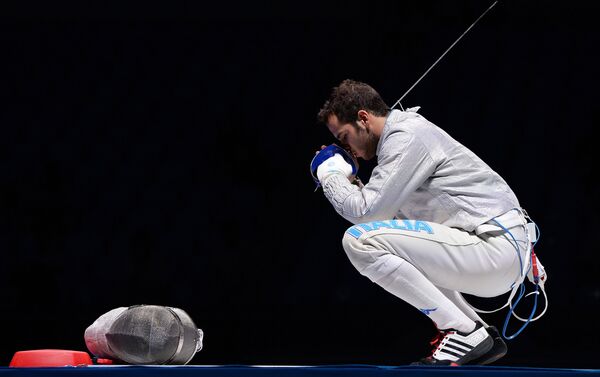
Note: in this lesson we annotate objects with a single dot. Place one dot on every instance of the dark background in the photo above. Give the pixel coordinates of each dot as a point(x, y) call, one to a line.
point(159, 155)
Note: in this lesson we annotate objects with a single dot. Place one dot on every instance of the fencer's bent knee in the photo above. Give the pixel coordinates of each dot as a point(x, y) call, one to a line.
point(360, 253)
point(352, 246)
point(370, 260)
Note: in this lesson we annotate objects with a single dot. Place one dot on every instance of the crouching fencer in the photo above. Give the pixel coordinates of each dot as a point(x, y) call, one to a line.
point(144, 334)
point(433, 220)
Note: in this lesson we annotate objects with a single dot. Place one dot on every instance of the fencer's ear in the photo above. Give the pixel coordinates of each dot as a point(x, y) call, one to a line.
point(363, 115)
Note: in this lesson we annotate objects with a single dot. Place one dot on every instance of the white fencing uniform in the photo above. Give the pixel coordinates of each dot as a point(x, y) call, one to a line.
point(425, 225)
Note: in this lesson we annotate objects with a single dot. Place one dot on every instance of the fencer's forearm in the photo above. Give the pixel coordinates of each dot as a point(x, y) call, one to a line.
point(349, 201)
point(403, 166)
point(337, 189)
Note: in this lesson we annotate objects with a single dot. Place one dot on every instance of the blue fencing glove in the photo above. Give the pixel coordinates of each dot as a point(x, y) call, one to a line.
point(333, 160)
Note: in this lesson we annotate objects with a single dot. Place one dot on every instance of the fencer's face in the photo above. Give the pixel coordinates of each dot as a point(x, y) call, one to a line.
point(357, 137)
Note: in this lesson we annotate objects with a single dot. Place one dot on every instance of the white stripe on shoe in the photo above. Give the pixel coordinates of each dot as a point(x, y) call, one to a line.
point(460, 347)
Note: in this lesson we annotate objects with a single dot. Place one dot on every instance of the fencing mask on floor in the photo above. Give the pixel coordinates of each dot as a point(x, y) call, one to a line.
point(144, 334)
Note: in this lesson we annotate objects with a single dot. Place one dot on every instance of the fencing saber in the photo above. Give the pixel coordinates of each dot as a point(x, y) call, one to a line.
point(440, 58)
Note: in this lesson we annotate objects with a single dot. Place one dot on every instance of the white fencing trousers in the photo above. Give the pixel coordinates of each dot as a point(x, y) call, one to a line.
point(426, 264)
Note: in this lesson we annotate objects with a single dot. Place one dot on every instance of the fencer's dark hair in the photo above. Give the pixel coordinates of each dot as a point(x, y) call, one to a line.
point(348, 98)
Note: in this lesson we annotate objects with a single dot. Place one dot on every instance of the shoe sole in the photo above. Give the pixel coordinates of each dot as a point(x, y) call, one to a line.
point(498, 350)
point(479, 351)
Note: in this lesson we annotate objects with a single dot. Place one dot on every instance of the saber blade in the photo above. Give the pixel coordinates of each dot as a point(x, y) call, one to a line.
point(445, 52)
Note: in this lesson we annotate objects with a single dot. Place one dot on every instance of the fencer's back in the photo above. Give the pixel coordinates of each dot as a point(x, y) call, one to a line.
point(463, 191)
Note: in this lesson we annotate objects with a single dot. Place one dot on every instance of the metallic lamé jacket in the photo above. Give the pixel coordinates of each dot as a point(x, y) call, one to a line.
point(422, 173)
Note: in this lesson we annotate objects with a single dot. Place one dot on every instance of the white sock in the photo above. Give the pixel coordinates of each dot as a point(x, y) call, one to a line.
point(404, 281)
point(461, 303)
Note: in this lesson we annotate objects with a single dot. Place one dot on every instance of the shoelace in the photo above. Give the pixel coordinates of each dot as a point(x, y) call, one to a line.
point(435, 342)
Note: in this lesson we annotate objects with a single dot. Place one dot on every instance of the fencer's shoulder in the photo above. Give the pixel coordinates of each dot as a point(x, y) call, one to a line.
point(406, 118)
point(402, 124)
point(408, 121)
point(414, 109)
point(405, 130)
point(397, 140)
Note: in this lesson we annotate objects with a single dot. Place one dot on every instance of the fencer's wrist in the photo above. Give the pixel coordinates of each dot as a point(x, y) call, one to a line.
point(326, 175)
